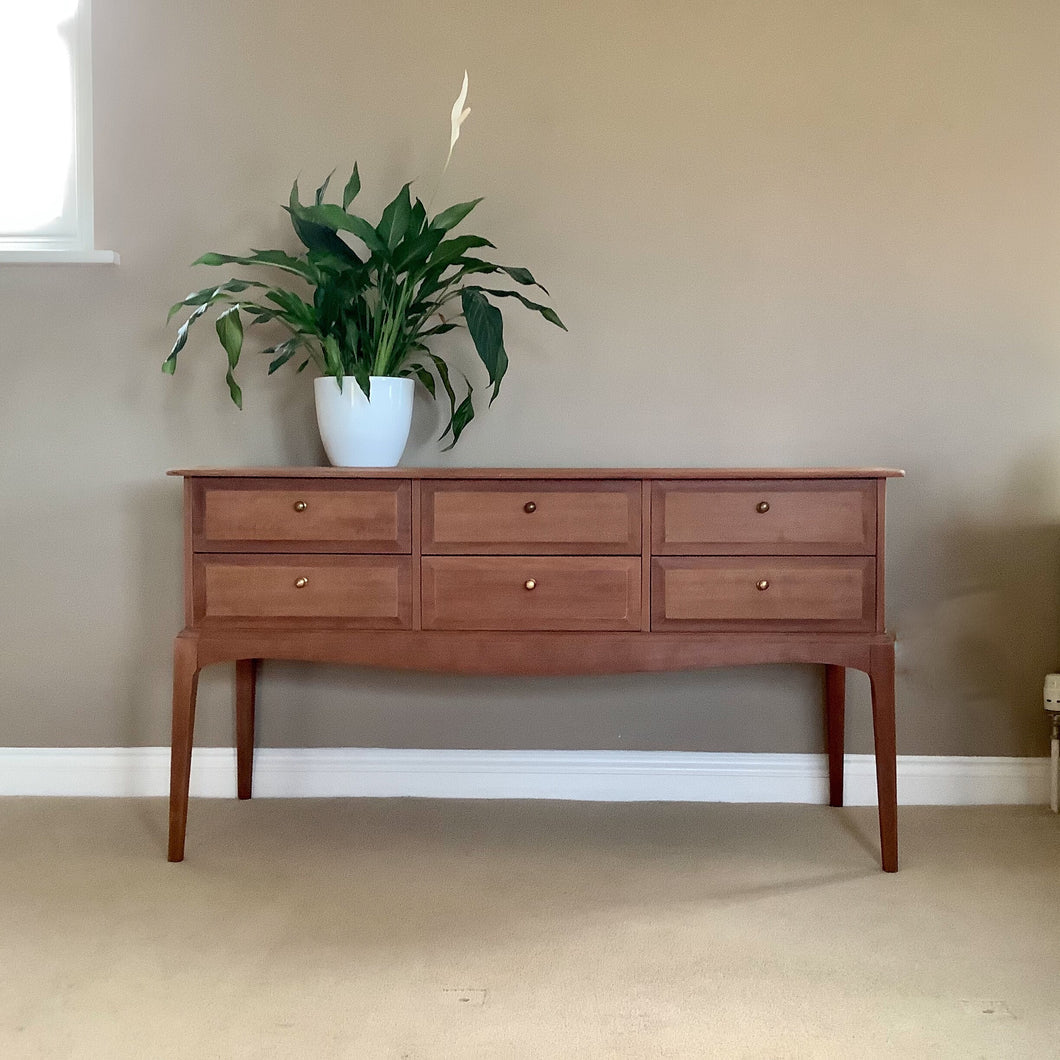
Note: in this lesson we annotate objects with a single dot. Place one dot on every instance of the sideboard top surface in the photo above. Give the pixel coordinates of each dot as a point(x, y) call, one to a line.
point(501, 473)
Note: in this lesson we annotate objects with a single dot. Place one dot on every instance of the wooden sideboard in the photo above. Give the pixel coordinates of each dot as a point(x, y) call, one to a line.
point(535, 571)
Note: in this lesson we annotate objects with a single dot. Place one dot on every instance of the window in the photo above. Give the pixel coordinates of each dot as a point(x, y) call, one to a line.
point(46, 132)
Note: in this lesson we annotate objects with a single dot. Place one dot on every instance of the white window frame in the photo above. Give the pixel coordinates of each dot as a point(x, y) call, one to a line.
point(77, 246)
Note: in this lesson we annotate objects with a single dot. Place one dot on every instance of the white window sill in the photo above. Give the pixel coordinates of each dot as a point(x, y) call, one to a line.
point(59, 257)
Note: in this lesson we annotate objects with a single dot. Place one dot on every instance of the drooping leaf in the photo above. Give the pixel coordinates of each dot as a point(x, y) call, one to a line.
point(438, 329)
point(464, 414)
point(230, 331)
point(276, 258)
point(209, 295)
point(443, 374)
point(169, 366)
point(486, 325)
point(445, 256)
point(422, 374)
point(265, 314)
point(285, 351)
point(549, 314)
point(234, 391)
point(481, 267)
point(229, 328)
point(522, 276)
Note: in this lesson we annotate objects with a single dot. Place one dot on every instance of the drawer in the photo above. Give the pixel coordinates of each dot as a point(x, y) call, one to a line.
point(290, 515)
point(747, 518)
point(531, 516)
point(372, 592)
point(763, 592)
point(531, 592)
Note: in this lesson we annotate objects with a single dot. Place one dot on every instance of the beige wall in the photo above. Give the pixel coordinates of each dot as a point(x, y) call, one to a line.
point(791, 232)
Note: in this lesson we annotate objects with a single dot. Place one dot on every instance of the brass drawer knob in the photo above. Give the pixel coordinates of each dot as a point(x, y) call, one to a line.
point(762, 585)
point(301, 583)
point(529, 507)
point(762, 507)
point(300, 506)
point(530, 584)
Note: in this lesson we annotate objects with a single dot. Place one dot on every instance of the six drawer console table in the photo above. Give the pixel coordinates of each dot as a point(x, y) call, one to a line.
point(535, 571)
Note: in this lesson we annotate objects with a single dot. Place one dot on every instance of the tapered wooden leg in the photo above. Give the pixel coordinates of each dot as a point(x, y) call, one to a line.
point(246, 683)
point(881, 676)
point(835, 678)
point(185, 686)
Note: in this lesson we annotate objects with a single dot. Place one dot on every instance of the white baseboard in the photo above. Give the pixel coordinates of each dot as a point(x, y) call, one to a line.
point(609, 776)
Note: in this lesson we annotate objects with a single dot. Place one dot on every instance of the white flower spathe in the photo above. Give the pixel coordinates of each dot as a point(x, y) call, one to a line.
point(460, 113)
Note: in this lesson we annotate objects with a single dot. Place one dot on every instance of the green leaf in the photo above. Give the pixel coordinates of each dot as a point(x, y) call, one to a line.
point(394, 222)
point(360, 373)
point(294, 310)
point(414, 253)
point(274, 258)
point(317, 236)
point(335, 219)
point(418, 220)
point(229, 328)
point(353, 187)
point(464, 414)
point(319, 196)
point(481, 267)
point(286, 350)
point(443, 374)
point(486, 325)
point(422, 374)
point(447, 254)
point(452, 249)
point(209, 295)
point(522, 276)
point(451, 217)
point(438, 329)
point(169, 366)
point(264, 314)
point(352, 340)
point(549, 314)
point(321, 238)
point(230, 332)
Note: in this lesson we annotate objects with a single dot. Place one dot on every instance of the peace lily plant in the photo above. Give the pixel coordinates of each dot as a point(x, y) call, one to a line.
point(371, 306)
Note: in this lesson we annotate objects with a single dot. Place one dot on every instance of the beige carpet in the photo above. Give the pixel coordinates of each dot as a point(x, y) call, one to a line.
point(413, 930)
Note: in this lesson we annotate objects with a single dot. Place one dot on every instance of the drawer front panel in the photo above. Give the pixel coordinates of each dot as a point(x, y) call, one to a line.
point(303, 516)
point(747, 518)
point(541, 517)
point(531, 593)
point(765, 592)
point(372, 592)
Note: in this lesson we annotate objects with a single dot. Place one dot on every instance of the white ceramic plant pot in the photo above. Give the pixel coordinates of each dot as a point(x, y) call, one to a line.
point(359, 431)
